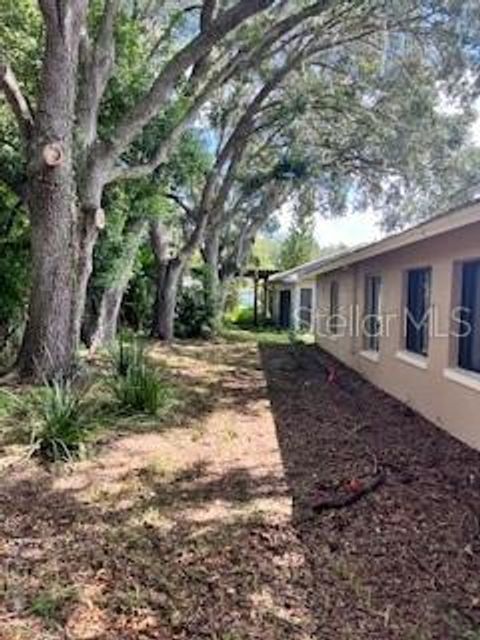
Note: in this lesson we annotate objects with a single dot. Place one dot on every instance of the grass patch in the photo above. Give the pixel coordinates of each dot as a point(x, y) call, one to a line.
point(260, 335)
point(51, 604)
point(63, 420)
point(8, 402)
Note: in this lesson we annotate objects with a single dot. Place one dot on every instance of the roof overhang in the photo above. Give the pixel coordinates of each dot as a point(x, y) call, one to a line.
point(443, 223)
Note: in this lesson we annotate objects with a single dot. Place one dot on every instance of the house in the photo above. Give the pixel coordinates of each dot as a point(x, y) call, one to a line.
point(291, 291)
point(405, 313)
point(292, 295)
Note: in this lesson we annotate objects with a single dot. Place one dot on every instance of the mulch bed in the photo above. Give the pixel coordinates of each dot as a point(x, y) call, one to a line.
point(402, 562)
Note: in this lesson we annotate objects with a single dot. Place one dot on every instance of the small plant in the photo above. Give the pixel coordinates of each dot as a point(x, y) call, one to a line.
point(59, 426)
point(50, 604)
point(135, 383)
point(126, 353)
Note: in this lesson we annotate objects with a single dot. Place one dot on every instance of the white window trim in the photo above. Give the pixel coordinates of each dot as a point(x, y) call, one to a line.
point(414, 359)
point(370, 354)
point(466, 378)
point(369, 276)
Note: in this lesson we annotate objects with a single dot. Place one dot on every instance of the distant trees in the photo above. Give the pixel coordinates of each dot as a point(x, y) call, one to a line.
point(300, 245)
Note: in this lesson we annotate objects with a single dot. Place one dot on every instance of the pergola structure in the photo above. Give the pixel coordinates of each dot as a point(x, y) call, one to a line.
point(260, 276)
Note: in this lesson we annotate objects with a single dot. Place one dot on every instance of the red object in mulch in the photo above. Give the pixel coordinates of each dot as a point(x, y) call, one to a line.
point(346, 493)
point(332, 376)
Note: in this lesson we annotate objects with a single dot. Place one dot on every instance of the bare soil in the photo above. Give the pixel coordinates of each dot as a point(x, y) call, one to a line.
point(204, 528)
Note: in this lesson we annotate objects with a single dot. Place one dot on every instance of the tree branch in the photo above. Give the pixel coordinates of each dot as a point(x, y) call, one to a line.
point(239, 61)
point(201, 66)
point(163, 150)
point(178, 200)
point(16, 100)
point(270, 201)
point(160, 240)
point(153, 102)
point(97, 69)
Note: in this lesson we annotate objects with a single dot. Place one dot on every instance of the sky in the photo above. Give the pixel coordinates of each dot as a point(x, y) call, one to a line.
point(352, 229)
point(355, 228)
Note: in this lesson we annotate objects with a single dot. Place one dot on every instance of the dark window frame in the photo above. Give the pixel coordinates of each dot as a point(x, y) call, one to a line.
point(334, 307)
point(372, 312)
point(285, 309)
point(417, 310)
point(468, 354)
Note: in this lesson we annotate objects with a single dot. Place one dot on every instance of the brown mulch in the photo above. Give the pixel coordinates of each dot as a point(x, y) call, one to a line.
point(403, 562)
point(205, 530)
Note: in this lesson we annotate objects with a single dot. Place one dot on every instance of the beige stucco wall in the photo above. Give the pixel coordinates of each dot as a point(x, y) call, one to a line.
point(451, 404)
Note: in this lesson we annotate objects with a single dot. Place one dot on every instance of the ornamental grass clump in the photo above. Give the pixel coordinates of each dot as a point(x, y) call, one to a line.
point(135, 383)
point(59, 422)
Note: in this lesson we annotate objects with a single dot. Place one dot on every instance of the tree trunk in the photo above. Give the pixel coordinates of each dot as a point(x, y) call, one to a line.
point(168, 275)
point(88, 240)
point(50, 339)
point(168, 279)
point(107, 321)
point(212, 260)
point(111, 301)
point(225, 282)
point(169, 272)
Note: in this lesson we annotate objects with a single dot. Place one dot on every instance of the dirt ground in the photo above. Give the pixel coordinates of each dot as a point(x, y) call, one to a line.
point(204, 528)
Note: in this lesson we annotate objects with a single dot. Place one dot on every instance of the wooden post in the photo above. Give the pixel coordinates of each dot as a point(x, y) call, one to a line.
point(255, 299)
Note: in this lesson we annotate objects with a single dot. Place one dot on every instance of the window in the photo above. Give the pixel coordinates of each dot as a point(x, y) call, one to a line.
point(469, 340)
point(285, 308)
point(334, 307)
point(418, 310)
point(306, 309)
point(371, 321)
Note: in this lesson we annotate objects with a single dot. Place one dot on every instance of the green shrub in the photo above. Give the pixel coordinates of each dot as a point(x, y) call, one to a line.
point(195, 312)
point(242, 316)
point(59, 422)
point(192, 318)
point(140, 390)
point(135, 383)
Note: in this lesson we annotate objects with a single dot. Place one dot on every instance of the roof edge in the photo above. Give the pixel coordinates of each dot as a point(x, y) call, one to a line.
point(448, 220)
